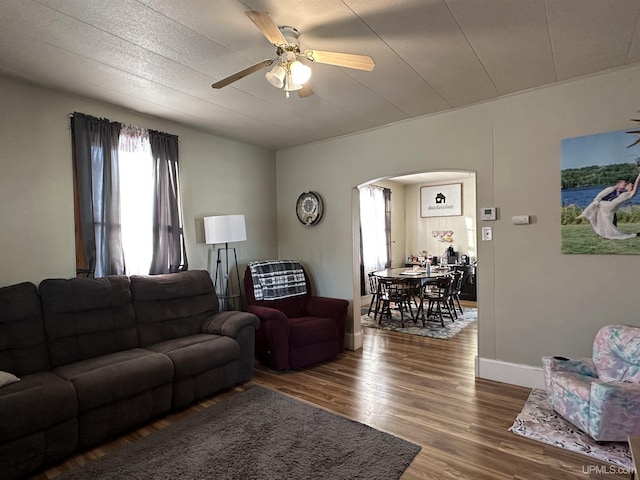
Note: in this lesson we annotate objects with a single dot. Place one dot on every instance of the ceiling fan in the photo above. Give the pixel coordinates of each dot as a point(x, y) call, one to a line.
point(288, 72)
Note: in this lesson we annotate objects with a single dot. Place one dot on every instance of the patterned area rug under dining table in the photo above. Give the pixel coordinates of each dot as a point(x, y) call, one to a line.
point(433, 328)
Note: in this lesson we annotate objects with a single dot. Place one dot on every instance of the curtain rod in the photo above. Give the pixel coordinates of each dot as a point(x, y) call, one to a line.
point(157, 132)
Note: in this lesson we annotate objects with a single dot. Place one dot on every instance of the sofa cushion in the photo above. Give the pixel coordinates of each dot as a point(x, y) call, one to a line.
point(23, 348)
point(36, 403)
point(106, 379)
point(195, 354)
point(292, 307)
point(172, 305)
point(88, 317)
point(310, 330)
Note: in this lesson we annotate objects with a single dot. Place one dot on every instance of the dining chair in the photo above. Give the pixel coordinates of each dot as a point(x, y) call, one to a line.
point(454, 294)
point(373, 290)
point(397, 291)
point(438, 298)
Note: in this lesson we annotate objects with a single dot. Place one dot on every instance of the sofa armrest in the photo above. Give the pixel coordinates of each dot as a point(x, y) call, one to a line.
point(327, 307)
point(614, 410)
point(551, 365)
point(272, 338)
point(229, 323)
point(582, 366)
point(268, 314)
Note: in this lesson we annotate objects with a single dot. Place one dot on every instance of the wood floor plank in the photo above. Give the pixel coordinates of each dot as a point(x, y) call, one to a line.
point(419, 389)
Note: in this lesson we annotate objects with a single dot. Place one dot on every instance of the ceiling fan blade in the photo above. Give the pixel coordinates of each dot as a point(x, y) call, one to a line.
point(305, 91)
point(241, 74)
point(634, 143)
point(267, 26)
point(349, 60)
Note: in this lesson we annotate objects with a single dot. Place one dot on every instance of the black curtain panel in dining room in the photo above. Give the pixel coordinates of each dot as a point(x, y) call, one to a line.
point(387, 223)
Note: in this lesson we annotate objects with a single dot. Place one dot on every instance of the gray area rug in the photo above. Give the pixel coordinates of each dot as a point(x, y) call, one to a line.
point(538, 421)
point(433, 328)
point(258, 434)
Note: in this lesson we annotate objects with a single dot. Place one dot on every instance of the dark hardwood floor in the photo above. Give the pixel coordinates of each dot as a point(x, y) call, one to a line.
point(422, 390)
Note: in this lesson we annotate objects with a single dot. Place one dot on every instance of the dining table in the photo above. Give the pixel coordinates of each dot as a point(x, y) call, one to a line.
point(417, 277)
point(419, 273)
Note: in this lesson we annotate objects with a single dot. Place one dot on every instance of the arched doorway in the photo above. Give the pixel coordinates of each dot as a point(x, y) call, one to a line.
point(413, 231)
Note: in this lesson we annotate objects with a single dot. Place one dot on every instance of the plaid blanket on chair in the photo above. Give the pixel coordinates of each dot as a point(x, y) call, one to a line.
point(275, 279)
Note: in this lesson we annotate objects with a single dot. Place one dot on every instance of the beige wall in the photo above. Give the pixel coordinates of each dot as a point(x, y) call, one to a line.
point(36, 203)
point(533, 300)
point(419, 230)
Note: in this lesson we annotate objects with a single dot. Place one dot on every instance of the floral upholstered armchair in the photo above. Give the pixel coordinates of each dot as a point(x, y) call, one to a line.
point(600, 395)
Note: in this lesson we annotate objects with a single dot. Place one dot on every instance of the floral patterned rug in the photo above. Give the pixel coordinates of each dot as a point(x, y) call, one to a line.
point(433, 328)
point(538, 421)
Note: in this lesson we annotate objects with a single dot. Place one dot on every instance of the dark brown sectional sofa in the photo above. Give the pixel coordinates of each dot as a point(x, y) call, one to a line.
point(96, 357)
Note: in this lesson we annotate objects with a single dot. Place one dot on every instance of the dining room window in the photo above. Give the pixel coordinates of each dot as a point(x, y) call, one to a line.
point(375, 229)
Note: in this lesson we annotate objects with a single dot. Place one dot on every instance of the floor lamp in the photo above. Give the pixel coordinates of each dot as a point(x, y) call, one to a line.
point(225, 229)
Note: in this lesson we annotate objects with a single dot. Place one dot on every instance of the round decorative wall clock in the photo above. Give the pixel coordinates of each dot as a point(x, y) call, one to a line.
point(309, 208)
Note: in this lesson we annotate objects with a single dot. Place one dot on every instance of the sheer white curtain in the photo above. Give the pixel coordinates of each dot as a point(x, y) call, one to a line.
point(373, 227)
point(136, 198)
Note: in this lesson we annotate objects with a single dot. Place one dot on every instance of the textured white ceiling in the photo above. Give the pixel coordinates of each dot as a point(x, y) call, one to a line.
point(160, 56)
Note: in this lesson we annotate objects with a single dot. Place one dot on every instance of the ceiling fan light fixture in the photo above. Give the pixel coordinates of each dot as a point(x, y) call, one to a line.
point(290, 84)
point(276, 76)
point(288, 73)
point(300, 73)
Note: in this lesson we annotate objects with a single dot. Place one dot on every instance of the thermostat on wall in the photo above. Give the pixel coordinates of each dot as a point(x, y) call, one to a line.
point(488, 213)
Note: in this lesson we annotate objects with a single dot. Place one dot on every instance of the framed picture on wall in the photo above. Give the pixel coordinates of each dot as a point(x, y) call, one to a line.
point(600, 211)
point(441, 200)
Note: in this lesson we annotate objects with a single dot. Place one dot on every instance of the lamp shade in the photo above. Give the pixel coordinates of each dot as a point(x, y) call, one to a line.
point(290, 85)
point(276, 76)
point(224, 229)
point(300, 72)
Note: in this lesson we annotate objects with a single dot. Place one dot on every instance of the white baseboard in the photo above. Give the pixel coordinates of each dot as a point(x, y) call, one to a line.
point(353, 341)
point(513, 373)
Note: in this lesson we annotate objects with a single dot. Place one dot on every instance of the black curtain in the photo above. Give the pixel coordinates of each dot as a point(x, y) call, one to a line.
point(387, 222)
point(169, 253)
point(363, 283)
point(95, 157)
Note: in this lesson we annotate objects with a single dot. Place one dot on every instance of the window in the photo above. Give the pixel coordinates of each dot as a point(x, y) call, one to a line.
point(127, 205)
point(136, 199)
point(375, 229)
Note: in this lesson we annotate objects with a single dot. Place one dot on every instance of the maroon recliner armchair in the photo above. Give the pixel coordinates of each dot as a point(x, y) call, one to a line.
point(297, 331)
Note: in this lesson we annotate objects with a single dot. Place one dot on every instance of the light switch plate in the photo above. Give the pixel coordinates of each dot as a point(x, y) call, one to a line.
point(487, 234)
